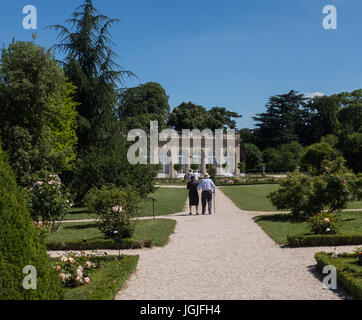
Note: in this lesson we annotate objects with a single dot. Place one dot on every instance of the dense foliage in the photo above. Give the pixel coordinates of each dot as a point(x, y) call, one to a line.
point(115, 208)
point(307, 195)
point(140, 105)
point(37, 112)
point(48, 201)
point(21, 245)
point(329, 126)
point(192, 116)
point(324, 223)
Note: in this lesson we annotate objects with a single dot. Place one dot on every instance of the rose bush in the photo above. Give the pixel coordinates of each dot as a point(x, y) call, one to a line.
point(306, 195)
point(48, 201)
point(115, 208)
point(324, 223)
point(73, 270)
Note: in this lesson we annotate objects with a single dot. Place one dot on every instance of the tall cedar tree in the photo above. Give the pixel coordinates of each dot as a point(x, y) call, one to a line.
point(90, 65)
point(283, 120)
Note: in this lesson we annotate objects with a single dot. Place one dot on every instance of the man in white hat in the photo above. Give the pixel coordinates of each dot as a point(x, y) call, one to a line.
point(207, 187)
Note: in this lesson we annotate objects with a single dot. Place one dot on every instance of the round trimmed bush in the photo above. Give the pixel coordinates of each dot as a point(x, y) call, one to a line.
point(21, 245)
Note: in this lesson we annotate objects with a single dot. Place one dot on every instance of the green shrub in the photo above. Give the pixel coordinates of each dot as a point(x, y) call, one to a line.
point(115, 208)
point(99, 245)
point(324, 223)
point(346, 275)
point(195, 166)
point(242, 167)
point(21, 245)
point(359, 256)
point(177, 167)
point(319, 240)
point(316, 154)
point(306, 195)
point(48, 201)
point(211, 170)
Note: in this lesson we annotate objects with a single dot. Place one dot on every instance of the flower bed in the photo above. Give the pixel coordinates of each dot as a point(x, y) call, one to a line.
point(349, 272)
point(94, 277)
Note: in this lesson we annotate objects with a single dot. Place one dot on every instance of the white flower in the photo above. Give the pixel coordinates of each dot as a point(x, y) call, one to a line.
point(62, 276)
point(117, 209)
point(89, 264)
point(328, 230)
point(64, 259)
point(71, 260)
point(87, 280)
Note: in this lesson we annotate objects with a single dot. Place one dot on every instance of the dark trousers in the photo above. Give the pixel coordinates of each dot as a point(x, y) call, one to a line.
point(206, 196)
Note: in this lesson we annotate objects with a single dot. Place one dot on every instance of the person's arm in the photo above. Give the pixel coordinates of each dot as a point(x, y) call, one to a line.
point(199, 185)
point(213, 185)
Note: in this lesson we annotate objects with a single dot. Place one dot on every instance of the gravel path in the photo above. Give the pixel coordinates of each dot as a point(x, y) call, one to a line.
point(225, 256)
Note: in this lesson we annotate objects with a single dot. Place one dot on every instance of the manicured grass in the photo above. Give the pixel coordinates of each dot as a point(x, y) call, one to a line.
point(349, 273)
point(279, 226)
point(107, 280)
point(254, 197)
point(79, 213)
point(251, 198)
point(355, 205)
point(158, 230)
point(169, 200)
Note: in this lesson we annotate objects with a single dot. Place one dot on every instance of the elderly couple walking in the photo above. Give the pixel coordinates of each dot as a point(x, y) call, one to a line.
point(207, 186)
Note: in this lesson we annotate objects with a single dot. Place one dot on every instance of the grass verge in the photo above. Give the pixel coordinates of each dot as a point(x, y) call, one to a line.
point(169, 201)
point(107, 280)
point(86, 236)
point(280, 227)
point(251, 198)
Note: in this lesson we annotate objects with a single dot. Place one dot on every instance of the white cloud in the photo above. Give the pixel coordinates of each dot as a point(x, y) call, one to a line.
point(314, 94)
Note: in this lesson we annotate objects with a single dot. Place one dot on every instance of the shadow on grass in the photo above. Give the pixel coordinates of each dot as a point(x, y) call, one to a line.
point(279, 218)
point(81, 226)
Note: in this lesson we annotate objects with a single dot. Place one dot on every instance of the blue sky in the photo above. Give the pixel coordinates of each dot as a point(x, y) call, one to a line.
point(232, 53)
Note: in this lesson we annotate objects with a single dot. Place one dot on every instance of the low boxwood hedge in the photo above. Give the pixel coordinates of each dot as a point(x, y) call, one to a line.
point(348, 277)
point(99, 244)
point(324, 240)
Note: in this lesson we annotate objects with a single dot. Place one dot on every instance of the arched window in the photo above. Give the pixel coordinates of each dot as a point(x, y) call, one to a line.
point(230, 161)
point(181, 158)
point(164, 160)
point(198, 158)
point(212, 158)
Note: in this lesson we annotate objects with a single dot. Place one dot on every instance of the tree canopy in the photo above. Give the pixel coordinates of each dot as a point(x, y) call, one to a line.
point(37, 112)
point(191, 116)
point(140, 105)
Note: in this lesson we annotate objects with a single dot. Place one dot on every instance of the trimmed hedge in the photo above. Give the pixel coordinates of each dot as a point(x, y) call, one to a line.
point(21, 245)
point(348, 277)
point(324, 240)
point(99, 245)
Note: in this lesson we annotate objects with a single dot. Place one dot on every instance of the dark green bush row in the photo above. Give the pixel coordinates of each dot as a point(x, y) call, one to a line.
point(249, 183)
point(99, 244)
point(324, 240)
point(345, 275)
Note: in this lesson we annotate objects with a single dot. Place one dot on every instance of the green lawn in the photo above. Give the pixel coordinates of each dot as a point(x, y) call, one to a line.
point(159, 230)
point(251, 198)
point(279, 226)
point(107, 279)
point(169, 200)
point(79, 213)
point(254, 197)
